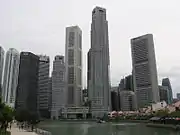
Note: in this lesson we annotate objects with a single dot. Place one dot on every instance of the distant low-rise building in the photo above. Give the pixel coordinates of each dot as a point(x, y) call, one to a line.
point(159, 106)
point(74, 112)
point(128, 101)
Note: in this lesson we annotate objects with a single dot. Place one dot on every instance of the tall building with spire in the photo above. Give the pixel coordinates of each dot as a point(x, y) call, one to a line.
point(73, 60)
point(98, 64)
point(10, 80)
point(144, 70)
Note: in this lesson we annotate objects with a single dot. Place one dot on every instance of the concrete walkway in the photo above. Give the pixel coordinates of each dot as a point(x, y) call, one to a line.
point(15, 131)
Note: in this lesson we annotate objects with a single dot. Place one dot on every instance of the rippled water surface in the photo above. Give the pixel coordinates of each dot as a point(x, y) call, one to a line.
point(92, 128)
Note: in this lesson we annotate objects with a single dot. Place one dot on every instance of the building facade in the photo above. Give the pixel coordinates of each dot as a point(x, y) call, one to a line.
point(50, 94)
point(164, 94)
point(27, 89)
point(98, 70)
point(10, 81)
point(128, 100)
point(115, 100)
point(127, 83)
point(43, 86)
point(144, 70)
point(58, 86)
point(166, 82)
point(85, 95)
point(178, 96)
point(1, 67)
point(73, 58)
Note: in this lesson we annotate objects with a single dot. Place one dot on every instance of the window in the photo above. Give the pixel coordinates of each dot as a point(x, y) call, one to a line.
point(70, 94)
point(101, 10)
point(71, 39)
point(80, 41)
point(70, 57)
point(70, 75)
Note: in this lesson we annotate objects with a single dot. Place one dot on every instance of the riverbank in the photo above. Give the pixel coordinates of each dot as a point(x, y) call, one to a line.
point(130, 121)
point(94, 120)
point(16, 131)
point(167, 126)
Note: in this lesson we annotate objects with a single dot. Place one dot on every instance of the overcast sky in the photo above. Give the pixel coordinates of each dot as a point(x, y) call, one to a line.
point(39, 26)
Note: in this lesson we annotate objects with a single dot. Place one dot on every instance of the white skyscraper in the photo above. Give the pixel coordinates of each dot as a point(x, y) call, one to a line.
point(1, 66)
point(10, 80)
point(73, 60)
point(144, 70)
point(58, 86)
point(98, 64)
point(43, 86)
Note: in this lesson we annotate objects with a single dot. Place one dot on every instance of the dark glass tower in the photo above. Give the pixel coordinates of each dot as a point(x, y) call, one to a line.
point(166, 82)
point(27, 89)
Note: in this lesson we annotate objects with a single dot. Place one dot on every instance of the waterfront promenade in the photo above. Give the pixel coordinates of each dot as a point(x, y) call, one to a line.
point(15, 131)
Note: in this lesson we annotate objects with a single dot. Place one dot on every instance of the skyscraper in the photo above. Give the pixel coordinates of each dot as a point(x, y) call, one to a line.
point(98, 78)
point(115, 99)
point(127, 83)
point(58, 86)
point(1, 67)
point(178, 96)
point(73, 58)
point(27, 89)
point(144, 70)
point(50, 93)
point(43, 86)
point(10, 81)
point(164, 94)
point(166, 82)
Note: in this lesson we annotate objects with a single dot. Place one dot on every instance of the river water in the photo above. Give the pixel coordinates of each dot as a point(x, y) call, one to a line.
point(92, 128)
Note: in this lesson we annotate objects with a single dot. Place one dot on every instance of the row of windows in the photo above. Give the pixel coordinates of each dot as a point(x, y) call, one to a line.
point(70, 75)
point(70, 94)
point(71, 39)
point(70, 57)
point(140, 50)
point(142, 75)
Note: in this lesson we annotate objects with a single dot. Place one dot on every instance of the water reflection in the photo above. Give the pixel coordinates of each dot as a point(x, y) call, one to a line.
point(60, 128)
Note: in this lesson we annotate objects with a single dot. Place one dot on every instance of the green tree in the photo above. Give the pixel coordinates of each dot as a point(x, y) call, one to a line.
point(22, 115)
point(161, 113)
point(175, 114)
point(6, 115)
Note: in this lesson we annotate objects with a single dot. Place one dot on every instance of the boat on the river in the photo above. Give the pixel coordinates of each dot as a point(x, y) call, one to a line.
point(101, 121)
